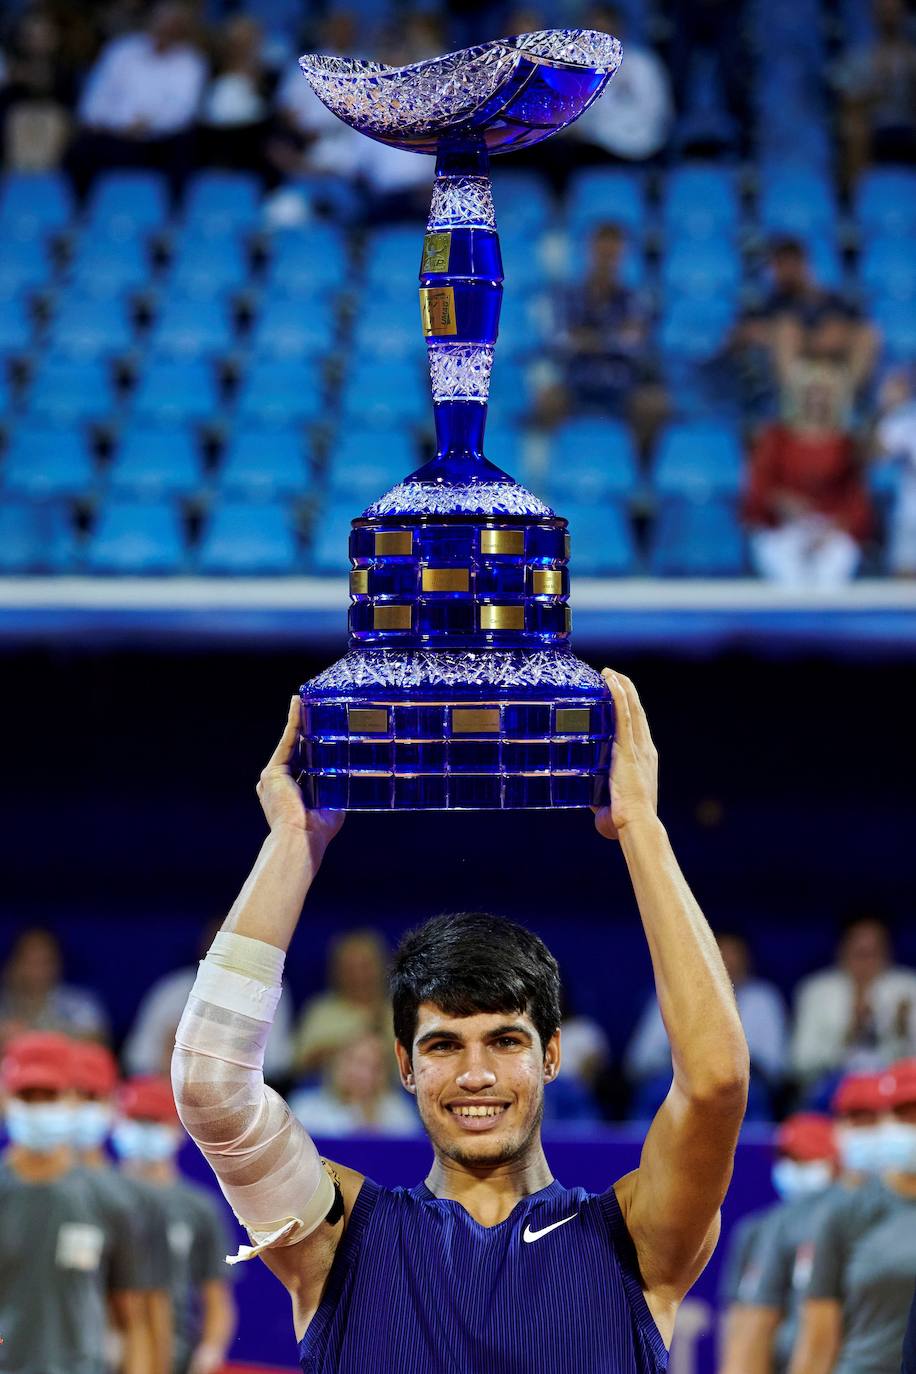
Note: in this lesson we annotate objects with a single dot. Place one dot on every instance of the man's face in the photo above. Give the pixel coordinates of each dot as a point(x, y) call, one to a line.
point(35, 967)
point(864, 953)
point(479, 1082)
point(790, 271)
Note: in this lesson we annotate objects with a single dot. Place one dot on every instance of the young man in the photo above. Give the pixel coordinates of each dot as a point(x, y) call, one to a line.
point(490, 1263)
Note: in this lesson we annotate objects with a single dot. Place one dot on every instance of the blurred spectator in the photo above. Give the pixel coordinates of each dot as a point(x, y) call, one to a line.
point(895, 443)
point(878, 88)
point(709, 61)
point(141, 101)
point(357, 1002)
point(35, 94)
point(631, 121)
point(151, 1039)
point(33, 998)
point(586, 1049)
point(357, 1095)
point(806, 503)
point(647, 1061)
point(234, 112)
point(858, 1015)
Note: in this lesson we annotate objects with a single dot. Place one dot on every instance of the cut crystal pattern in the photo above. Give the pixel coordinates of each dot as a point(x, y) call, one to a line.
point(447, 498)
point(462, 203)
point(460, 372)
point(489, 668)
point(576, 47)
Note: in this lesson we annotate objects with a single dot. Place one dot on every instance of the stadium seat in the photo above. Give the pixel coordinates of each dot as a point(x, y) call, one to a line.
point(109, 267)
point(591, 460)
point(190, 328)
point(137, 537)
point(282, 392)
point(265, 463)
point(709, 269)
point(219, 203)
point(697, 539)
point(795, 201)
point(34, 205)
point(885, 202)
point(16, 330)
point(124, 205)
point(503, 445)
point(698, 459)
point(600, 194)
point(6, 395)
point(209, 267)
point(35, 537)
point(44, 461)
point(602, 540)
point(386, 391)
point(328, 555)
point(700, 202)
point(392, 258)
point(388, 325)
point(695, 329)
point(522, 200)
point(510, 388)
point(66, 390)
point(171, 392)
point(887, 269)
point(25, 265)
point(896, 323)
point(289, 328)
point(367, 462)
point(307, 261)
point(91, 327)
point(246, 538)
point(156, 461)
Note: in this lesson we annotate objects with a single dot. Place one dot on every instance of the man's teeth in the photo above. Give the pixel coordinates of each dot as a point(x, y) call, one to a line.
point(478, 1111)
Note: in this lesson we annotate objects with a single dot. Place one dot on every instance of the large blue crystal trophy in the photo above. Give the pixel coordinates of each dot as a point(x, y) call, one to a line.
point(460, 688)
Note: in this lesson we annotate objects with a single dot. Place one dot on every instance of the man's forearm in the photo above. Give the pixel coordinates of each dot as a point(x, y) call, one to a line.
point(696, 999)
point(270, 903)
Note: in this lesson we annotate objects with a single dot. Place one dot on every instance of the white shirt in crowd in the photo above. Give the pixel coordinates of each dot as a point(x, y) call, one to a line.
point(135, 87)
point(152, 1035)
point(763, 1016)
point(321, 1113)
point(823, 1014)
point(632, 118)
point(897, 442)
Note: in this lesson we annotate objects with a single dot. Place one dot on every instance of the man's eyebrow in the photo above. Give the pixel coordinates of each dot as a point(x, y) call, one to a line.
point(509, 1030)
point(444, 1033)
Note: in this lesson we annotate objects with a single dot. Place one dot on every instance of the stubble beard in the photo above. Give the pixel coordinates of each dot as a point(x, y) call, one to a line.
point(502, 1151)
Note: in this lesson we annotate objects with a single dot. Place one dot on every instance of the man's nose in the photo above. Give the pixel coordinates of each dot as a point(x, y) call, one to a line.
point(475, 1074)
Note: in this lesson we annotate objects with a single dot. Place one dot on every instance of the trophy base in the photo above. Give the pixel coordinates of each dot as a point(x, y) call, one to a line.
point(415, 731)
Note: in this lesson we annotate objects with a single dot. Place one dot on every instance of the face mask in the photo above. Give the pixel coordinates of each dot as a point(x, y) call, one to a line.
point(149, 1142)
point(39, 1126)
point(91, 1124)
point(792, 1179)
point(897, 1146)
point(859, 1149)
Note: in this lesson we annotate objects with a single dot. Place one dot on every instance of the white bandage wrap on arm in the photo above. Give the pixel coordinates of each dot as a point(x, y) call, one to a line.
point(265, 1163)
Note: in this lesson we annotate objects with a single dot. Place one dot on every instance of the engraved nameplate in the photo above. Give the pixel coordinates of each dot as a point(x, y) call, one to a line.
point(437, 310)
point(437, 249)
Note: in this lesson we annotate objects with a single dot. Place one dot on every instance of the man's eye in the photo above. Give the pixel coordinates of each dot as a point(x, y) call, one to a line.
point(507, 1040)
point(442, 1045)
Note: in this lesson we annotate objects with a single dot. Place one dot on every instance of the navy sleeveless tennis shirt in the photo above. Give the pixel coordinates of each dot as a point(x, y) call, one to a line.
point(419, 1287)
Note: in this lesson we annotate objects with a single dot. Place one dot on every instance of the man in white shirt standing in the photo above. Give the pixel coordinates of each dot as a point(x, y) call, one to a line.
point(141, 100)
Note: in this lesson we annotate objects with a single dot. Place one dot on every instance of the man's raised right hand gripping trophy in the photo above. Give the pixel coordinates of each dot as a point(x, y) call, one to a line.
point(460, 689)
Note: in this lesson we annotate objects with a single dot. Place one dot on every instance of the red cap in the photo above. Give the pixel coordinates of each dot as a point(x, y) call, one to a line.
point(148, 1098)
point(898, 1084)
point(38, 1059)
point(806, 1136)
point(858, 1092)
point(94, 1069)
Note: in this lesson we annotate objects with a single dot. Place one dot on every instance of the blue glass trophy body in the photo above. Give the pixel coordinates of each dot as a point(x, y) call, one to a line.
point(460, 688)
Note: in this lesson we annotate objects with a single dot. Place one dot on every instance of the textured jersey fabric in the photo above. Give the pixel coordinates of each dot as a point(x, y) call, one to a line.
point(418, 1285)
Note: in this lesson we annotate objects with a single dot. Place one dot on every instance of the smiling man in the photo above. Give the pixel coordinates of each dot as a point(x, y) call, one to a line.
point(491, 1264)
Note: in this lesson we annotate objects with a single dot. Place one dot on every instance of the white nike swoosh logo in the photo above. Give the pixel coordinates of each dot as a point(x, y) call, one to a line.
point(529, 1235)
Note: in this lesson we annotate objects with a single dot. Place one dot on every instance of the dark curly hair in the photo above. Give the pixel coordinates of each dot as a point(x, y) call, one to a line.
point(468, 962)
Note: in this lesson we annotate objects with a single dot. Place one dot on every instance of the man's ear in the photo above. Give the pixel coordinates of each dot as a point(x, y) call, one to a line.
point(405, 1067)
point(552, 1057)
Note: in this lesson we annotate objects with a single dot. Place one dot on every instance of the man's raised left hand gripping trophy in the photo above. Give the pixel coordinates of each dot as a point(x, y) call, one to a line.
point(460, 688)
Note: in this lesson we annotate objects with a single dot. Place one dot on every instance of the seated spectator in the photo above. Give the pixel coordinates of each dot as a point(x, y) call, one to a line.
point(234, 112)
point(36, 92)
point(141, 101)
point(151, 1039)
point(586, 1049)
point(632, 120)
point(647, 1061)
point(878, 88)
point(33, 998)
point(357, 1095)
point(356, 1003)
point(859, 1015)
point(806, 505)
point(895, 442)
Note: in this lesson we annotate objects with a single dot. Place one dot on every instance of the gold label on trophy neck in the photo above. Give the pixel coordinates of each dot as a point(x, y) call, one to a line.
point(393, 542)
point(446, 580)
point(547, 582)
point(437, 310)
point(502, 541)
point(475, 720)
point(437, 249)
point(391, 617)
point(502, 617)
point(361, 721)
point(573, 720)
point(359, 581)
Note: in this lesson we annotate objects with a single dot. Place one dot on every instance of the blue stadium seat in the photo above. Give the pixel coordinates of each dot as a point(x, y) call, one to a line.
point(896, 322)
point(34, 204)
point(503, 445)
point(208, 267)
point(134, 537)
point(35, 537)
point(510, 388)
point(44, 461)
point(16, 330)
point(793, 201)
point(66, 390)
point(109, 267)
point(307, 261)
point(388, 326)
point(328, 554)
point(6, 395)
point(708, 269)
point(24, 266)
point(246, 538)
point(885, 201)
point(124, 205)
point(281, 392)
point(193, 328)
point(700, 202)
point(887, 268)
point(698, 459)
point(91, 327)
point(156, 461)
point(265, 463)
point(695, 329)
point(368, 461)
point(386, 391)
point(171, 392)
point(697, 539)
point(602, 540)
point(522, 200)
point(392, 258)
point(289, 328)
point(591, 460)
point(600, 194)
point(220, 203)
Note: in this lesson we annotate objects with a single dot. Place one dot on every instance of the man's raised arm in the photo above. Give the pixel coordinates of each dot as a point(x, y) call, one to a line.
point(266, 1164)
point(671, 1203)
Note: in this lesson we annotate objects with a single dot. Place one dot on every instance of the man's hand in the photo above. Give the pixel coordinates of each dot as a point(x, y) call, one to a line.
point(279, 794)
point(634, 762)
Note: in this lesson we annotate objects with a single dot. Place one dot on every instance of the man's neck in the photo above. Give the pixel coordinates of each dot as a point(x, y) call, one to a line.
point(904, 1184)
point(93, 1159)
point(33, 1167)
point(490, 1192)
point(161, 1172)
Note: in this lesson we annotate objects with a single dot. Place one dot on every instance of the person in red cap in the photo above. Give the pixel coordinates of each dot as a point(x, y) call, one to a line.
point(864, 1264)
point(64, 1259)
point(763, 1312)
point(858, 1107)
point(128, 1202)
point(147, 1136)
